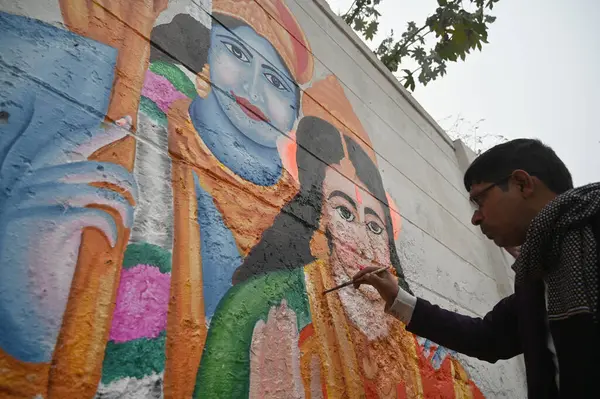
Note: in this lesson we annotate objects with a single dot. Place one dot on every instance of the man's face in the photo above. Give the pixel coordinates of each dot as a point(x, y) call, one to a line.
point(500, 211)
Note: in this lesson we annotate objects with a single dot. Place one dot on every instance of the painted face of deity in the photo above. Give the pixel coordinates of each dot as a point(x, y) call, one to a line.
point(253, 86)
point(355, 224)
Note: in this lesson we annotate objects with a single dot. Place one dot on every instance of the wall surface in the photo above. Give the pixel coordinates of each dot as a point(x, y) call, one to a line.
point(181, 179)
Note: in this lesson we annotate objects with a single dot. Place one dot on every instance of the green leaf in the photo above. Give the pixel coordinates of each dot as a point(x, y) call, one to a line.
point(409, 80)
point(490, 19)
point(457, 32)
point(359, 24)
point(459, 36)
point(442, 68)
point(418, 53)
point(371, 30)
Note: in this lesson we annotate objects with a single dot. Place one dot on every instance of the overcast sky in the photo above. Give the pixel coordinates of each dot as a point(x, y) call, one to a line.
point(537, 77)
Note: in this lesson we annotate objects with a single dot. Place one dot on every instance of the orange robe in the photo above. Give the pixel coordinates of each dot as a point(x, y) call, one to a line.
point(351, 365)
point(354, 367)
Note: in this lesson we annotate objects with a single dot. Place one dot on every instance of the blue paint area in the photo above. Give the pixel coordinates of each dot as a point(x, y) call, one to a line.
point(220, 256)
point(247, 159)
point(55, 89)
point(439, 355)
point(30, 312)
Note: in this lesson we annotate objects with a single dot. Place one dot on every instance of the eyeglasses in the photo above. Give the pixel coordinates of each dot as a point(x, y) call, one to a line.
point(477, 198)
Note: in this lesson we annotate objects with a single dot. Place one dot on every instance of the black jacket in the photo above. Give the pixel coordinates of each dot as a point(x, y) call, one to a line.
point(517, 325)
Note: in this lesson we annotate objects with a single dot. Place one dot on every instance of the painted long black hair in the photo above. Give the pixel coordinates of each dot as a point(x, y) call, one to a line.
point(286, 244)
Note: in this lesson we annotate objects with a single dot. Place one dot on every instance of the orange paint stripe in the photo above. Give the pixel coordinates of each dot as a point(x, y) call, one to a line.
point(401, 391)
point(306, 333)
point(22, 379)
point(358, 196)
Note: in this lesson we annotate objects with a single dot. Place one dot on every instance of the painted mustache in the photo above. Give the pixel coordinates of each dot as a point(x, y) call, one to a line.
point(250, 109)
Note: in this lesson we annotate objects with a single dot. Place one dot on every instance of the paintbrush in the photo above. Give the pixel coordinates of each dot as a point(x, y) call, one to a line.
point(347, 283)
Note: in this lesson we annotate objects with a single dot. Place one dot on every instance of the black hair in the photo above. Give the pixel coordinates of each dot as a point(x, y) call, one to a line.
point(183, 41)
point(530, 155)
point(286, 244)
point(186, 40)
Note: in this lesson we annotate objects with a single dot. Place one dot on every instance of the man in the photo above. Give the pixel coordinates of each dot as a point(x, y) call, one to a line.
point(524, 197)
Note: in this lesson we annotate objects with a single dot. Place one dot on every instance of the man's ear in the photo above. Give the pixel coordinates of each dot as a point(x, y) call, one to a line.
point(524, 182)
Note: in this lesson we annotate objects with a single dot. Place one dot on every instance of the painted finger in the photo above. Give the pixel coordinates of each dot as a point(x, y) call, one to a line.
point(61, 225)
point(84, 172)
point(106, 134)
point(70, 196)
point(296, 375)
point(257, 358)
point(271, 332)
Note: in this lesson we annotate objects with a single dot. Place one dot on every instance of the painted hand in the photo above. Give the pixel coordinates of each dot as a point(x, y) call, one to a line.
point(41, 223)
point(275, 357)
point(385, 283)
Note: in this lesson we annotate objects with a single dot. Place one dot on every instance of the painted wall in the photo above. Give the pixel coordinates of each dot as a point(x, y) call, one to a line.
point(179, 182)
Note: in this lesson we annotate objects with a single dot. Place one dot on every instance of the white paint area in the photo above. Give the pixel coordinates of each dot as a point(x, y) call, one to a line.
point(149, 387)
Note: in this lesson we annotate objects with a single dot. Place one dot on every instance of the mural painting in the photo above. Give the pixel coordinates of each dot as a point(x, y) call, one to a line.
point(176, 192)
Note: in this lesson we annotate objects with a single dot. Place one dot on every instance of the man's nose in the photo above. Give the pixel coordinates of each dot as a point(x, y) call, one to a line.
point(477, 218)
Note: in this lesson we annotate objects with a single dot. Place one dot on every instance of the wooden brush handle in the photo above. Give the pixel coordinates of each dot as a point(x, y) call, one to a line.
point(350, 282)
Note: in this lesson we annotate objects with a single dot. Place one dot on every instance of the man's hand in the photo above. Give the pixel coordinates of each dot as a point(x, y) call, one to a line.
point(384, 282)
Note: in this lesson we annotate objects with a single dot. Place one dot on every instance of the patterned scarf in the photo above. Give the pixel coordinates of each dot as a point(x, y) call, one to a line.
point(560, 248)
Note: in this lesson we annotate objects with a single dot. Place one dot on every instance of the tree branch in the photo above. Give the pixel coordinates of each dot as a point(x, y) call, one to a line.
point(359, 5)
point(412, 73)
point(408, 41)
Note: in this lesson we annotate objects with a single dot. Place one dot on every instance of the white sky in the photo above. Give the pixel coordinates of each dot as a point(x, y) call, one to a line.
point(537, 77)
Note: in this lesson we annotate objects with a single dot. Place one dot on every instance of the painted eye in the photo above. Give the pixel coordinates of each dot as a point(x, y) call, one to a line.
point(345, 213)
point(237, 52)
point(375, 228)
point(275, 81)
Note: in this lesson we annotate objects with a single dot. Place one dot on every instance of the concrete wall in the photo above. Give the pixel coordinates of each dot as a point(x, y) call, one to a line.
point(181, 179)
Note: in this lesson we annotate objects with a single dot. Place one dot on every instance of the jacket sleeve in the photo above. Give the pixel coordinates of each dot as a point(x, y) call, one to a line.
point(490, 338)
